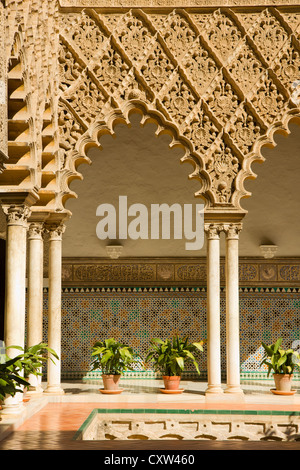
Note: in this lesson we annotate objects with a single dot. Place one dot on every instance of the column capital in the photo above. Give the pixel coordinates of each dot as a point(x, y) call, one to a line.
point(36, 231)
point(232, 230)
point(16, 214)
point(55, 231)
point(213, 230)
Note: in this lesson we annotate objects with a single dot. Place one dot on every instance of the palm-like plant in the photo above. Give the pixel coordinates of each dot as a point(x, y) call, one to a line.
point(32, 358)
point(281, 361)
point(10, 381)
point(112, 357)
point(170, 356)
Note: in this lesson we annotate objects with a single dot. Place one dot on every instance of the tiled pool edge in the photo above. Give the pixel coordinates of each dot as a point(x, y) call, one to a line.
point(97, 411)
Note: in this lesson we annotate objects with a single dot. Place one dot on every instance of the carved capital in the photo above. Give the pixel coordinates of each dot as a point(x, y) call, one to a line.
point(212, 231)
point(36, 231)
point(55, 231)
point(232, 230)
point(16, 214)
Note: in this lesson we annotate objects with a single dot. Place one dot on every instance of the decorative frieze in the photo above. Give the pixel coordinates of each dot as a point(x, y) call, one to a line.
point(173, 3)
point(253, 272)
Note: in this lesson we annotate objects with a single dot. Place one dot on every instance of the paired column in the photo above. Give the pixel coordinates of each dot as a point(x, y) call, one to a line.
point(35, 294)
point(213, 308)
point(55, 232)
point(14, 323)
point(213, 231)
point(232, 308)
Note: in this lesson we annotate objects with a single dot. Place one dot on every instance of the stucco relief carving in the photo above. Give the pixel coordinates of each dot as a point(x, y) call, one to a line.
point(55, 231)
point(219, 80)
point(36, 231)
point(289, 273)
point(170, 272)
point(214, 76)
point(113, 273)
point(16, 214)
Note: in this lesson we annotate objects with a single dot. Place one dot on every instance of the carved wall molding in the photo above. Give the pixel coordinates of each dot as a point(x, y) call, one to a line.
point(254, 272)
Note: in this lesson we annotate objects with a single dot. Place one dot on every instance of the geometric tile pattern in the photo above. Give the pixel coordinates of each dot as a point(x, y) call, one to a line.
point(136, 317)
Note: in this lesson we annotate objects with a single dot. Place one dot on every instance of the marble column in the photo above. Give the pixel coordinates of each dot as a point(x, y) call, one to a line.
point(213, 309)
point(14, 322)
point(35, 294)
point(232, 308)
point(55, 232)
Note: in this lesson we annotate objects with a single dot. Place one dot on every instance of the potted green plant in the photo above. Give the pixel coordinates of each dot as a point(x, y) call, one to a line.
point(31, 360)
point(169, 358)
point(10, 381)
point(112, 358)
point(282, 362)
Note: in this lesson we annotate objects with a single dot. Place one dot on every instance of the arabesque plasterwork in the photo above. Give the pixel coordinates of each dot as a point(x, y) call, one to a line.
point(175, 272)
point(221, 81)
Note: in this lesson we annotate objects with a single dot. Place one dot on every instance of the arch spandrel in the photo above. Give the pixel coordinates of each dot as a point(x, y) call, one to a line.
point(220, 80)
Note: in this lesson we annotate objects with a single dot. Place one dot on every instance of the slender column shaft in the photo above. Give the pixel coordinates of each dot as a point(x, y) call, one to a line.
point(54, 309)
point(232, 309)
point(213, 310)
point(35, 294)
point(14, 322)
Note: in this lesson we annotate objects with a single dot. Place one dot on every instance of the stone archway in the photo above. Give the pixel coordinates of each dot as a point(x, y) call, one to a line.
point(215, 78)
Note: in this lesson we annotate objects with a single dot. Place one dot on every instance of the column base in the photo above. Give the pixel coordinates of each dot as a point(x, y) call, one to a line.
point(34, 391)
point(214, 389)
point(54, 390)
point(12, 410)
point(234, 389)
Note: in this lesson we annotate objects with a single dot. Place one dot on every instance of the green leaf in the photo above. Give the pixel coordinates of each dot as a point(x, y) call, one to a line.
point(157, 340)
point(282, 360)
point(106, 357)
point(180, 362)
point(188, 354)
point(277, 344)
point(268, 349)
point(199, 346)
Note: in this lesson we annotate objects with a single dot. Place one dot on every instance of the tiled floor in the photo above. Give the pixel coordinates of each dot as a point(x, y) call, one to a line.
point(54, 425)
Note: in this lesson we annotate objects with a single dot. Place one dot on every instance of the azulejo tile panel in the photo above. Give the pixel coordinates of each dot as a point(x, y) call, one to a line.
point(135, 315)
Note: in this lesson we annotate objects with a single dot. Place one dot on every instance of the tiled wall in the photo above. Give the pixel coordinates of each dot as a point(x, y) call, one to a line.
point(134, 316)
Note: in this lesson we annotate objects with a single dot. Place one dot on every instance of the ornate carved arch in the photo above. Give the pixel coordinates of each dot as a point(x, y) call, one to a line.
point(222, 81)
point(78, 143)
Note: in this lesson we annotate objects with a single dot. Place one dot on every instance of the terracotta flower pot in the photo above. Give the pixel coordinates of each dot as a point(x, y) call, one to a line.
point(111, 382)
point(171, 382)
point(283, 382)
